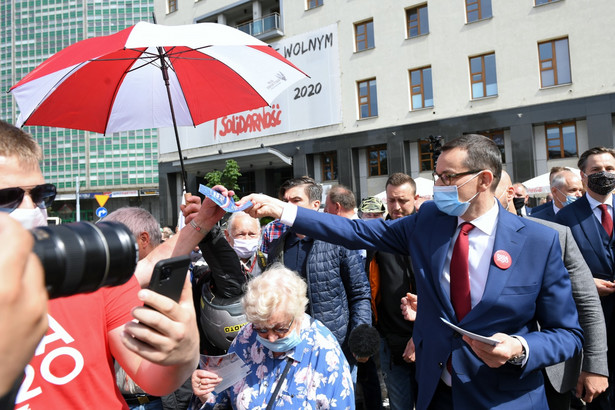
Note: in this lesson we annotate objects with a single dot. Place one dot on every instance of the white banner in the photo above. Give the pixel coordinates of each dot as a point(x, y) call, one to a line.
point(313, 102)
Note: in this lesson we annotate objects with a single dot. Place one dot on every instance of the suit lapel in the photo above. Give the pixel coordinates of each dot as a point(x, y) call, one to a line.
point(508, 238)
point(591, 227)
point(445, 225)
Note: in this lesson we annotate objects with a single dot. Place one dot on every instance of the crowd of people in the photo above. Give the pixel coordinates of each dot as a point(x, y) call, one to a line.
point(471, 300)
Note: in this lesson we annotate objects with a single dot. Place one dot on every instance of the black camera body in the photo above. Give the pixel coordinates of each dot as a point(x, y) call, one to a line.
point(82, 257)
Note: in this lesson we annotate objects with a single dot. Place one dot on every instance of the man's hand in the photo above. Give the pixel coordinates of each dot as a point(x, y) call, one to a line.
point(263, 205)
point(203, 383)
point(409, 352)
point(409, 306)
point(592, 385)
point(604, 287)
point(23, 301)
point(496, 356)
point(206, 214)
point(167, 333)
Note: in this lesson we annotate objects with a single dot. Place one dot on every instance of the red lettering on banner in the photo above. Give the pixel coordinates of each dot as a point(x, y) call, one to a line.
point(268, 117)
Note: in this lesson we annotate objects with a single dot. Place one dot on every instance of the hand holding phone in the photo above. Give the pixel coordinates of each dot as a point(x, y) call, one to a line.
point(169, 276)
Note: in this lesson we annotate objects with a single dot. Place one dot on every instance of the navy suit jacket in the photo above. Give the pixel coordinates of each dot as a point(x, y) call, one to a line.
point(597, 249)
point(535, 288)
point(545, 213)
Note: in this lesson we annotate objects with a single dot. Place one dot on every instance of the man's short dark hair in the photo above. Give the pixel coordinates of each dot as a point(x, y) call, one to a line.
point(344, 196)
point(313, 190)
point(483, 153)
point(398, 179)
point(593, 151)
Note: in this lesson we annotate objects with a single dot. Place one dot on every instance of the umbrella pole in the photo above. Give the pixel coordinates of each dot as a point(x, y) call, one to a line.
point(165, 76)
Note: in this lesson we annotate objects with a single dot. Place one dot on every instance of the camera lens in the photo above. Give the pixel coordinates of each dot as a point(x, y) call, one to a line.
point(82, 257)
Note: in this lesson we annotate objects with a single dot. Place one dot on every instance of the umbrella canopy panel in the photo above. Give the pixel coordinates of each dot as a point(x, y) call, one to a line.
point(114, 83)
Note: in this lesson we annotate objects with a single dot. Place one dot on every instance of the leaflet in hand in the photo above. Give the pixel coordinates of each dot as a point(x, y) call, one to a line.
point(229, 367)
point(225, 202)
point(484, 339)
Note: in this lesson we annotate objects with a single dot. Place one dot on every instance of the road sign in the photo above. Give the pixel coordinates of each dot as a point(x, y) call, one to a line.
point(101, 199)
point(101, 212)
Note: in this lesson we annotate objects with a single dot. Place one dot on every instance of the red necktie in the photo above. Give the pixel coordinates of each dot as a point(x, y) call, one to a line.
point(460, 278)
point(607, 221)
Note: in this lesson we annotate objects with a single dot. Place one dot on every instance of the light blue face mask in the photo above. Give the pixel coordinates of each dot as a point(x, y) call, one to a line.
point(283, 344)
point(569, 198)
point(447, 199)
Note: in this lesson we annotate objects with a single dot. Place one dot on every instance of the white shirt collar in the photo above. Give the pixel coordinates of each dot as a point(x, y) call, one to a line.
point(487, 221)
point(593, 204)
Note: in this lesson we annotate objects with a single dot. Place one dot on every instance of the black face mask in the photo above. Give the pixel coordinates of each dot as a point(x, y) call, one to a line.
point(519, 203)
point(601, 182)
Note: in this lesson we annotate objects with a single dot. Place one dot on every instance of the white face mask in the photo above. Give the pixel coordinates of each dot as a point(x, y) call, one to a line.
point(245, 248)
point(30, 218)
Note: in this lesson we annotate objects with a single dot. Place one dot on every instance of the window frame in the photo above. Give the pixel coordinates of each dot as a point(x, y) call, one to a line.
point(553, 60)
point(365, 24)
point(561, 126)
point(483, 74)
point(380, 160)
point(317, 3)
point(368, 97)
point(479, 11)
point(328, 167)
point(171, 6)
point(419, 22)
point(423, 155)
point(422, 86)
point(536, 4)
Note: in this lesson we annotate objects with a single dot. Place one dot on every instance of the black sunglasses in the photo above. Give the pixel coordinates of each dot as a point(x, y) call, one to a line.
point(42, 195)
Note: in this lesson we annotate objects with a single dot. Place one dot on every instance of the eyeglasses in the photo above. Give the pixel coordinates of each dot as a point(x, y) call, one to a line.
point(448, 178)
point(279, 331)
point(42, 195)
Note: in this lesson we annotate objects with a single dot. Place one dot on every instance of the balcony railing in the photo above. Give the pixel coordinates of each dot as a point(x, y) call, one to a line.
point(262, 26)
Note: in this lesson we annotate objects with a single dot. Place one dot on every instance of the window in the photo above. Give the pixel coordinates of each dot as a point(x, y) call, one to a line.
point(540, 2)
point(477, 10)
point(328, 163)
point(368, 105)
point(497, 137)
point(377, 160)
point(364, 35)
point(312, 4)
point(172, 6)
point(554, 62)
point(561, 140)
point(421, 92)
point(425, 155)
point(482, 76)
point(416, 19)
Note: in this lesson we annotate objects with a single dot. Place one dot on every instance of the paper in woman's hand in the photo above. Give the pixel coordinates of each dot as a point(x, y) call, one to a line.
point(229, 367)
point(225, 202)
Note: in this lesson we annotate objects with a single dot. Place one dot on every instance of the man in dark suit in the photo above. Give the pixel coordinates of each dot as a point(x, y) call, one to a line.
point(521, 199)
point(590, 219)
point(586, 374)
point(566, 187)
point(514, 278)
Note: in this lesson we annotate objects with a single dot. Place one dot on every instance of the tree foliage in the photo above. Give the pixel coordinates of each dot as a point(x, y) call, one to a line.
point(227, 177)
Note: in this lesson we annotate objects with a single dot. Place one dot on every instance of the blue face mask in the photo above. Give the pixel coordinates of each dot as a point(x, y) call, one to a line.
point(447, 199)
point(283, 344)
point(569, 198)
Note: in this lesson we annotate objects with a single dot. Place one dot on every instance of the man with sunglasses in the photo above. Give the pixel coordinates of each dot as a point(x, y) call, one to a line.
point(72, 365)
point(477, 267)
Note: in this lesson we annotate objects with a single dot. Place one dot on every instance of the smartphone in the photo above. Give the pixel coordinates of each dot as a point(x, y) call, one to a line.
point(169, 276)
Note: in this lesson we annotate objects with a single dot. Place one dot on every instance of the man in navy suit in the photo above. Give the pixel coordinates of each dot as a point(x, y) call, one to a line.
point(590, 219)
point(566, 187)
point(514, 278)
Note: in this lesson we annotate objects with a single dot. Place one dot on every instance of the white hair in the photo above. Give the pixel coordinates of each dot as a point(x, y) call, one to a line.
point(276, 288)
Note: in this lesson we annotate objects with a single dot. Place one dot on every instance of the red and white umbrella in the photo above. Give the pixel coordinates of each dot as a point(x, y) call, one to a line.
point(150, 76)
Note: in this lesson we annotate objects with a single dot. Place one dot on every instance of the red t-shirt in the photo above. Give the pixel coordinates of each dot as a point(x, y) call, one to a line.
point(72, 366)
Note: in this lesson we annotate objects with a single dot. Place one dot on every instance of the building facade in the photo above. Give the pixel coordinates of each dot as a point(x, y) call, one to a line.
point(122, 165)
point(534, 75)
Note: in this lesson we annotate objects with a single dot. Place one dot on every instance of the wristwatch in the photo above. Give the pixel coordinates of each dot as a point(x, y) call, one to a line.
point(518, 359)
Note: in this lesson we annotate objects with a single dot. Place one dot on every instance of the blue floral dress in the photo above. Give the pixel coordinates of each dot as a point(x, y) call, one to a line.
point(319, 377)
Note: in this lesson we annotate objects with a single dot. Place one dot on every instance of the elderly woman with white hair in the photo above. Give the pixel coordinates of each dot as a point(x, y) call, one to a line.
point(295, 361)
